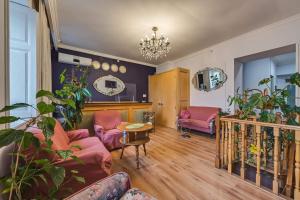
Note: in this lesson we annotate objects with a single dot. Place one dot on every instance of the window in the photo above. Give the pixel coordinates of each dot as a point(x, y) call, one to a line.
point(22, 67)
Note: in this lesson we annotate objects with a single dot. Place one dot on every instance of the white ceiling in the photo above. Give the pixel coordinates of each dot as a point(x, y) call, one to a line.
point(116, 26)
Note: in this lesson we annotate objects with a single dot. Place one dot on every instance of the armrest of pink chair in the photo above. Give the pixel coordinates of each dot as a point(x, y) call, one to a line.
point(99, 130)
point(78, 134)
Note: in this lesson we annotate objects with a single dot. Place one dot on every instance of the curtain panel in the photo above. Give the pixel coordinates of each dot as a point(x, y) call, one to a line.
point(44, 70)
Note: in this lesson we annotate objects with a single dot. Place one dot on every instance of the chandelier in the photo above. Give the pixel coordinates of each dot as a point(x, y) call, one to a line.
point(154, 47)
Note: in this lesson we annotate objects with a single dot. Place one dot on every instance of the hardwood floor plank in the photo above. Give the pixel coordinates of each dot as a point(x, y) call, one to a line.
point(183, 169)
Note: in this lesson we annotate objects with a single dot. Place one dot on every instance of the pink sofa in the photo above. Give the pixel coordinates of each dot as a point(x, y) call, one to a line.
point(97, 161)
point(105, 125)
point(199, 118)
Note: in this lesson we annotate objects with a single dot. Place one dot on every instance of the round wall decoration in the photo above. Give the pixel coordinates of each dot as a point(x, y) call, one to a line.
point(122, 69)
point(105, 66)
point(96, 64)
point(114, 68)
point(109, 85)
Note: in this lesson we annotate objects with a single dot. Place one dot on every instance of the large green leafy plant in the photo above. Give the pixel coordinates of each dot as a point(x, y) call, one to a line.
point(268, 105)
point(266, 102)
point(74, 88)
point(30, 171)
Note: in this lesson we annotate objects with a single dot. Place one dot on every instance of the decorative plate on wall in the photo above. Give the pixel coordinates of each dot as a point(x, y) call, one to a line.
point(96, 64)
point(105, 66)
point(122, 69)
point(114, 68)
point(109, 85)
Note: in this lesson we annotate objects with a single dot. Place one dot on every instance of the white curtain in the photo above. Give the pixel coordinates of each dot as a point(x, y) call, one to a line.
point(44, 70)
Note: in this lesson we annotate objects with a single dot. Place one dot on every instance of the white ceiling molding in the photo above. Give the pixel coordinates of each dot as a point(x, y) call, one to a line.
point(65, 46)
point(51, 9)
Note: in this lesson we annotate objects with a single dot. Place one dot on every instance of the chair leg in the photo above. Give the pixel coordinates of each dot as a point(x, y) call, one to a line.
point(144, 145)
point(137, 157)
point(123, 147)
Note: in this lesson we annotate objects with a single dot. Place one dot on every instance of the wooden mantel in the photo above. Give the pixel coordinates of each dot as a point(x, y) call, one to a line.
point(130, 111)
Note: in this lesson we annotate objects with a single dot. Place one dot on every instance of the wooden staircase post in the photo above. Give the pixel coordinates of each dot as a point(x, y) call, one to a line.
point(276, 160)
point(226, 144)
point(229, 169)
point(265, 140)
point(243, 152)
point(297, 166)
point(217, 159)
point(223, 143)
point(258, 132)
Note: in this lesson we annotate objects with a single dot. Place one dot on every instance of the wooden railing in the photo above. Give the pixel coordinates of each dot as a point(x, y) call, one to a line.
point(234, 138)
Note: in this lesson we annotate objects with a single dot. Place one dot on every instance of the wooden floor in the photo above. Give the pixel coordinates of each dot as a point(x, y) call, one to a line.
point(177, 168)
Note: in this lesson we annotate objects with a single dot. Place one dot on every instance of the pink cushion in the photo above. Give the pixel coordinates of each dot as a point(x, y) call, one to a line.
point(108, 119)
point(185, 114)
point(60, 139)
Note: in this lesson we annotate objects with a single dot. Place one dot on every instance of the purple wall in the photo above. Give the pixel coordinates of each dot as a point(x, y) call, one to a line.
point(136, 74)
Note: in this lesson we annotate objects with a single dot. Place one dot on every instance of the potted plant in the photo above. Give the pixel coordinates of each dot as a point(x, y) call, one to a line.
point(28, 172)
point(74, 88)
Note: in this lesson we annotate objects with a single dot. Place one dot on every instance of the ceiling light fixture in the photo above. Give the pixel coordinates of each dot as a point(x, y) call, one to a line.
point(154, 47)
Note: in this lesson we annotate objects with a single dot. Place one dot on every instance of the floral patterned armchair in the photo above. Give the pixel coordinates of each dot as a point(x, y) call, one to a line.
point(116, 186)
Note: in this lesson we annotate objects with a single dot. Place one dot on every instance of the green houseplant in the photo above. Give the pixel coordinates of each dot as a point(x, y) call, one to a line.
point(74, 88)
point(27, 172)
point(267, 105)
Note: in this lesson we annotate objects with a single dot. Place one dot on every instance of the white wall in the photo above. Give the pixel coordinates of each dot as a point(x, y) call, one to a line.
point(222, 55)
point(254, 71)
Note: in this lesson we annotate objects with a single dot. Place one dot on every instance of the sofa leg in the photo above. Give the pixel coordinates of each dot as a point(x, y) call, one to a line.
point(137, 157)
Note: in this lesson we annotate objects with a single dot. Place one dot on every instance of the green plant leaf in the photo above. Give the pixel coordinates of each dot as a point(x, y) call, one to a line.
point(79, 161)
point(64, 154)
point(57, 175)
point(14, 106)
point(44, 93)
point(79, 179)
point(295, 79)
point(71, 103)
point(265, 81)
point(28, 139)
point(62, 77)
point(47, 124)
point(86, 92)
point(8, 119)
point(76, 146)
point(44, 108)
point(8, 136)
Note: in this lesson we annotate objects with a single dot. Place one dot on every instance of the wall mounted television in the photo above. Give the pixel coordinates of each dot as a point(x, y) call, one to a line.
point(110, 84)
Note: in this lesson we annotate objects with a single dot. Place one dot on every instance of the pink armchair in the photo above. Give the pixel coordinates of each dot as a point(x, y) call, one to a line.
point(105, 125)
point(96, 159)
point(199, 118)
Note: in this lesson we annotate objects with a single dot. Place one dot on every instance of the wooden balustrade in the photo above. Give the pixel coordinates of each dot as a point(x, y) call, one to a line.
point(233, 140)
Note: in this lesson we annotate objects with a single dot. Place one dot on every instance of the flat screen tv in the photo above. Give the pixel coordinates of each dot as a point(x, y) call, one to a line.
point(110, 84)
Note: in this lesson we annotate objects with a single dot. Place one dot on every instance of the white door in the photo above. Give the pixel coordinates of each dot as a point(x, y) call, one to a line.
point(22, 66)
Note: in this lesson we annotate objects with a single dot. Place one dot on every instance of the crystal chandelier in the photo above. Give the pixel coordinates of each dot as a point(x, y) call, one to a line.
point(154, 47)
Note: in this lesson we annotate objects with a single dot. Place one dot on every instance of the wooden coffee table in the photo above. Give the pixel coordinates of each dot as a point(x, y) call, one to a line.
point(135, 137)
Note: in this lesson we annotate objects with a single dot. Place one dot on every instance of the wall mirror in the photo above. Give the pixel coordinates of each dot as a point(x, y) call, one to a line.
point(209, 79)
